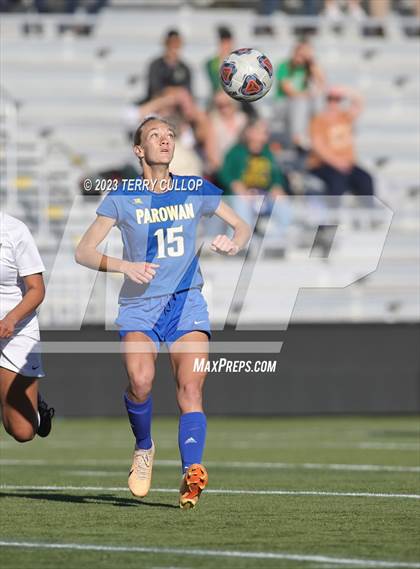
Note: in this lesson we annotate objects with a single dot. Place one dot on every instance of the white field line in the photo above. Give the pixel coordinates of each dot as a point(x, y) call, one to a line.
point(214, 491)
point(216, 444)
point(182, 567)
point(220, 464)
point(271, 444)
point(216, 553)
point(96, 473)
point(389, 446)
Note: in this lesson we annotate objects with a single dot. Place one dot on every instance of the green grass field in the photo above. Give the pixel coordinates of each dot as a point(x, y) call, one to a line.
point(70, 489)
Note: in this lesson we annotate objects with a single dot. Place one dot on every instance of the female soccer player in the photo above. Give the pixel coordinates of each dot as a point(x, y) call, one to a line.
point(23, 410)
point(161, 300)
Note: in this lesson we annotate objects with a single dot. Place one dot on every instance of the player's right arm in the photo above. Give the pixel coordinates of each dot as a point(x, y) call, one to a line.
point(87, 254)
point(222, 244)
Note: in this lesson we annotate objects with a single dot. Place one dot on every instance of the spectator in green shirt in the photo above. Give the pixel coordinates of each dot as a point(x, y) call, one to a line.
point(300, 81)
point(213, 64)
point(296, 73)
point(252, 177)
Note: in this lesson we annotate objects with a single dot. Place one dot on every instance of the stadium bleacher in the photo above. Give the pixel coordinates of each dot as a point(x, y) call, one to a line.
point(64, 99)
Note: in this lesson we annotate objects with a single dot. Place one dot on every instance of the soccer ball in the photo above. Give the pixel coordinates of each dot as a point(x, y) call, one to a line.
point(246, 74)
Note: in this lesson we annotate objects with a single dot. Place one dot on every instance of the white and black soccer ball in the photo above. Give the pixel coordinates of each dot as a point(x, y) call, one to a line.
point(246, 74)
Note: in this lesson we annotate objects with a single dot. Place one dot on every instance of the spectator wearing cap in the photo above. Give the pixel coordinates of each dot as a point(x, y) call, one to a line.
point(333, 157)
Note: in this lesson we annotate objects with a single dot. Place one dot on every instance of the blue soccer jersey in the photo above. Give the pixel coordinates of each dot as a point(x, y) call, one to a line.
point(161, 228)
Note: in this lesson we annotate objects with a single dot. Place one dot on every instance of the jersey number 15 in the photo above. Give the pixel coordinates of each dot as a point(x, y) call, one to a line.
point(174, 242)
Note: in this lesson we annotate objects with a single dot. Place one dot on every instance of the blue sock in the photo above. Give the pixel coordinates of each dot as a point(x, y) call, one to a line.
point(140, 415)
point(191, 438)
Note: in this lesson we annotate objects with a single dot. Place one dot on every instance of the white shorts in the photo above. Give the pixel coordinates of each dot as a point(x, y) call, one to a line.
point(18, 354)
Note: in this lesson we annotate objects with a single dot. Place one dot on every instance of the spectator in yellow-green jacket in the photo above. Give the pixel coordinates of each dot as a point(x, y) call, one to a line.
point(252, 177)
point(249, 167)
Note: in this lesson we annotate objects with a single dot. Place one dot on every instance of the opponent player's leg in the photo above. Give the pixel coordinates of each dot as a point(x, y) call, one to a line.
point(24, 410)
point(192, 423)
point(19, 403)
point(140, 367)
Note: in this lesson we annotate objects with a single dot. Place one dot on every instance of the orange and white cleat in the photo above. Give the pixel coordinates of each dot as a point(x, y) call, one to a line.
point(140, 476)
point(193, 483)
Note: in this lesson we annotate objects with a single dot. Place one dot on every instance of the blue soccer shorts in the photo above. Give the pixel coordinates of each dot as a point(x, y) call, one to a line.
point(165, 318)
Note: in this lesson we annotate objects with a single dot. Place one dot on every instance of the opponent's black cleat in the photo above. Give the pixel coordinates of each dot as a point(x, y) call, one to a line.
point(46, 414)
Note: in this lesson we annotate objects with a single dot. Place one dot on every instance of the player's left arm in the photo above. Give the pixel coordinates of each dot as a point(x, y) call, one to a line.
point(32, 298)
point(241, 232)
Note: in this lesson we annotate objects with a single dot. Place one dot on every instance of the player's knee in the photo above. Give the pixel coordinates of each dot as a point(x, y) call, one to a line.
point(141, 381)
point(22, 433)
point(190, 393)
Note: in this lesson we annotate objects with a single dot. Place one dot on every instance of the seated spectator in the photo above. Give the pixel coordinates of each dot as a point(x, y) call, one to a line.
point(250, 173)
point(300, 81)
point(169, 70)
point(228, 122)
point(249, 167)
point(213, 64)
point(169, 91)
point(195, 131)
point(333, 157)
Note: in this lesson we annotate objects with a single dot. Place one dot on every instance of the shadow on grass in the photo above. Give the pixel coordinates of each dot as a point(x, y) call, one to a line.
point(82, 499)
